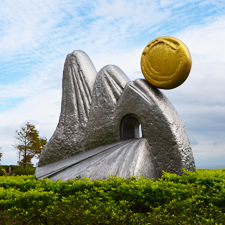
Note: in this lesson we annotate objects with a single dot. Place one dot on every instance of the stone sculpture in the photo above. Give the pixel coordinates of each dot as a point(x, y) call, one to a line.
point(98, 130)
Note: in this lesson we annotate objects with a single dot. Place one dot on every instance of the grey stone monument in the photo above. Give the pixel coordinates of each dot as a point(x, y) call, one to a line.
point(98, 133)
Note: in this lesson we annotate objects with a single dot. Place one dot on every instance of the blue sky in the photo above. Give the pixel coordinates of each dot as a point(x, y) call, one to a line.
point(36, 36)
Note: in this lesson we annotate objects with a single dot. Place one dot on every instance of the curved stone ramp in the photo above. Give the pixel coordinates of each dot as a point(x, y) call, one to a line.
point(127, 158)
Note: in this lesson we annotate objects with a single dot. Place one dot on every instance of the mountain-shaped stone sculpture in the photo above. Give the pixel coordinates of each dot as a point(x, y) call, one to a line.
point(98, 133)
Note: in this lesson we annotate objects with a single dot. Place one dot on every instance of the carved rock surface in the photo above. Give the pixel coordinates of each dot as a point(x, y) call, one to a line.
point(98, 133)
point(109, 85)
point(87, 119)
point(78, 81)
point(161, 125)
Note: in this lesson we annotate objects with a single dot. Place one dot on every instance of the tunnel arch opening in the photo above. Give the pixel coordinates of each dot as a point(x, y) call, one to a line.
point(130, 127)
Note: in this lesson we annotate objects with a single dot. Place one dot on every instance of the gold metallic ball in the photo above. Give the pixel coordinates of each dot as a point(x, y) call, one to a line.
point(166, 62)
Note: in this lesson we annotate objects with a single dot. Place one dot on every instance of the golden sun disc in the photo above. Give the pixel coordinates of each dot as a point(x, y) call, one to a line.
point(166, 62)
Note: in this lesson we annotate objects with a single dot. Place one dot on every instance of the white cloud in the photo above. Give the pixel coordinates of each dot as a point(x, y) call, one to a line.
point(208, 155)
point(200, 100)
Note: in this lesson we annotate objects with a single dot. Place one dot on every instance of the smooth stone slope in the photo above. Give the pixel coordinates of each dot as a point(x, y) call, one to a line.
point(125, 159)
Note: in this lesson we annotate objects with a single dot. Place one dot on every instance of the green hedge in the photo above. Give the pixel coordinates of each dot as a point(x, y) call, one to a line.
point(193, 198)
point(17, 170)
point(5, 167)
point(21, 171)
point(2, 172)
point(13, 167)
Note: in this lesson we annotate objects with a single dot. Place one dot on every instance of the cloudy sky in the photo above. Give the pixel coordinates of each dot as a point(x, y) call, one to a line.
point(36, 36)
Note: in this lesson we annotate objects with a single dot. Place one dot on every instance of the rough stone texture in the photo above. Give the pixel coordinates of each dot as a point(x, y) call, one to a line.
point(87, 113)
point(125, 159)
point(104, 109)
point(161, 125)
point(108, 87)
point(78, 81)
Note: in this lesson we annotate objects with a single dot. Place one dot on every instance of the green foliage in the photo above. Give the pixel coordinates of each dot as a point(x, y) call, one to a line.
point(193, 198)
point(13, 167)
point(2, 172)
point(6, 168)
point(29, 143)
point(22, 171)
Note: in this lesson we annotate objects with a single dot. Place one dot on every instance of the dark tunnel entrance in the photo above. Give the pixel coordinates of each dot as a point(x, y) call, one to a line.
point(130, 127)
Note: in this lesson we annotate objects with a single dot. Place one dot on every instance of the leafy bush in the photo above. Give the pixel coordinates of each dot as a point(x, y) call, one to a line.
point(2, 172)
point(6, 168)
point(14, 167)
point(193, 198)
point(21, 171)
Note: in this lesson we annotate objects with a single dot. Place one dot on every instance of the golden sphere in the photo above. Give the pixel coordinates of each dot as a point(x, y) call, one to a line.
point(166, 62)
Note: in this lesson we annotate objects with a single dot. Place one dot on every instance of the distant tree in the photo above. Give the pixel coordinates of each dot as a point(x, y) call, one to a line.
point(29, 143)
point(28, 160)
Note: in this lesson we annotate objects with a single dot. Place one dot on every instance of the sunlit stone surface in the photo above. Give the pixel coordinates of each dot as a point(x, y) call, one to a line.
point(98, 130)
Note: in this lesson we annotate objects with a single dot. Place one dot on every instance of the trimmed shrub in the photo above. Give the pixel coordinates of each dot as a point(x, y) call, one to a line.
point(2, 172)
point(5, 167)
point(193, 198)
point(14, 167)
point(21, 171)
